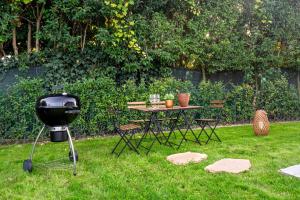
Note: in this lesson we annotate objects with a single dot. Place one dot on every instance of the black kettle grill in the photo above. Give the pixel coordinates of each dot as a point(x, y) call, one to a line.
point(56, 111)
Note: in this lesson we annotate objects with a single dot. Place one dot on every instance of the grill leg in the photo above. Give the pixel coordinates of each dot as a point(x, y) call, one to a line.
point(73, 151)
point(34, 144)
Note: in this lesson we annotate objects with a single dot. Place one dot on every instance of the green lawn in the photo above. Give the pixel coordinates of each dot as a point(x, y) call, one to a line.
point(103, 176)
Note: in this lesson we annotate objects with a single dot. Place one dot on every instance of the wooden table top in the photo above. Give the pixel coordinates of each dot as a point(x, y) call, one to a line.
point(164, 109)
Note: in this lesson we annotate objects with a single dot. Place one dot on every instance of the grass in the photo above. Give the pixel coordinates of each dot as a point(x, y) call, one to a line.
point(103, 176)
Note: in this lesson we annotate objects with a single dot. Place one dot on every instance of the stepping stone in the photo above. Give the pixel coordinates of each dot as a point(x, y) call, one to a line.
point(229, 165)
point(185, 158)
point(292, 171)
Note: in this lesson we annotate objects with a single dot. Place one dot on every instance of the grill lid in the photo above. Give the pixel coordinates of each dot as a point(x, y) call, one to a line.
point(58, 100)
point(58, 109)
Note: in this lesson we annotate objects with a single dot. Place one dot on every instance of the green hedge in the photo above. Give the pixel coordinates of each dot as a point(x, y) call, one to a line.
point(279, 99)
point(17, 108)
point(17, 105)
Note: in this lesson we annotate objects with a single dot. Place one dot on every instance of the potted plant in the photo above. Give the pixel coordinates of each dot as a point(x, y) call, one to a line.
point(183, 95)
point(169, 100)
point(184, 99)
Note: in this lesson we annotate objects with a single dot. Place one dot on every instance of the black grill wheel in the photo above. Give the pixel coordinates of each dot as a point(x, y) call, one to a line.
point(27, 165)
point(71, 156)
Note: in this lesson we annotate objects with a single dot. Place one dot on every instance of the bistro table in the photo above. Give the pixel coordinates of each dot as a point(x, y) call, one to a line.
point(154, 124)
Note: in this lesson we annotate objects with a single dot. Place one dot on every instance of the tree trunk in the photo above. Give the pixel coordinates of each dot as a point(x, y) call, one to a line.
point(203, 73)
point(38, 26)
point(2, 52)
point(37, 40)
point(14, 41)
point(254, 103)
point(29, 38)
point(298, 82)
point(84, 37)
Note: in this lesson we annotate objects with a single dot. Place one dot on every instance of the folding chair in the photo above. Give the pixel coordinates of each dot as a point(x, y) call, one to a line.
point(137, 104)
point(126, 133)
point(212, 122)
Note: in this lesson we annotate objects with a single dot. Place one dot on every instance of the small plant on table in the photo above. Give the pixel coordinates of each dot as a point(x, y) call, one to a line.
point(169, 100)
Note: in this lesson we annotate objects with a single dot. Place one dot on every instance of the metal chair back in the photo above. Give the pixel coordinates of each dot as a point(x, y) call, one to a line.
point(217, 103)
point(113, 115)
point(136, 104)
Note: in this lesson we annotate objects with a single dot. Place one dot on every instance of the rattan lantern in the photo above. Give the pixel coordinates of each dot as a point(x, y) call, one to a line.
point(261, 124)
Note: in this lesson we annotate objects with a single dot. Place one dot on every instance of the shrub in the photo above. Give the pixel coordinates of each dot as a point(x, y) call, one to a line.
point(96, 95)
point(17, 107)
point(208, 91)
point(204, 93)
point(279, 99)
point(239, 103)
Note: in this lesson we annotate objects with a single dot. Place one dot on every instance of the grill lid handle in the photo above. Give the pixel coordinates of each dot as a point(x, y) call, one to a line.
point(72, 111)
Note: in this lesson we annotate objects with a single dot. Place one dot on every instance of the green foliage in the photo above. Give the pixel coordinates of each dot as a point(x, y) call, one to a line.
point(135, 43)
point(170, 85)
point(206, 92)
point(216, 42)
point(169, 96)
point(98, 94)
point(212, 36)
point(69, 67)
point(5, 25)
point(239, 101)
point(140, 39)
point(210, 91)
point(57, 32)
point(20, 121)
point(279, 99)
point(121, 26)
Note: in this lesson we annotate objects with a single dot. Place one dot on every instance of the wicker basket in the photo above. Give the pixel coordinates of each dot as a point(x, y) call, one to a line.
point(261, 124)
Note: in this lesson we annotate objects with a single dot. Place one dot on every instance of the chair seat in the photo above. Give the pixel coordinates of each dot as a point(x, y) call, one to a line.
point(171, 118)
point(205, 120)
point(140, 121)
point(129, 127)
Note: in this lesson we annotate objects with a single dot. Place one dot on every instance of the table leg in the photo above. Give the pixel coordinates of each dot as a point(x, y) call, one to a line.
point(149, 128)
point(188, 127)
point(172, 129)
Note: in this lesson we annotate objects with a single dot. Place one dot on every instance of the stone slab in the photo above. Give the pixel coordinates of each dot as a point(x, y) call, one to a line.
point(291, 171)
point(229, 165)
point(185, 158)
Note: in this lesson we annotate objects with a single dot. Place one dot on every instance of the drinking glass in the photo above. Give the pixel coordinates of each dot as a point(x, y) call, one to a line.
point(157, 98)
point(152, 99)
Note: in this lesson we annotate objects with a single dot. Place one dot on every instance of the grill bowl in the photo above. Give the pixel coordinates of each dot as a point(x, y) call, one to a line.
point(58, 109)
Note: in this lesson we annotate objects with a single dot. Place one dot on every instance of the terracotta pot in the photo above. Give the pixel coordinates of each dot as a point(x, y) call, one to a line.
point(261, 124)
point(183, 99)
point(169, 103)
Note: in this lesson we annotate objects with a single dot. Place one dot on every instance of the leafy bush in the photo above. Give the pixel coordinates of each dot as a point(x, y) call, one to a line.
point(96, 95)
point(279, 99)
point(239, 103)
point(208, 91)
point(17, 107)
